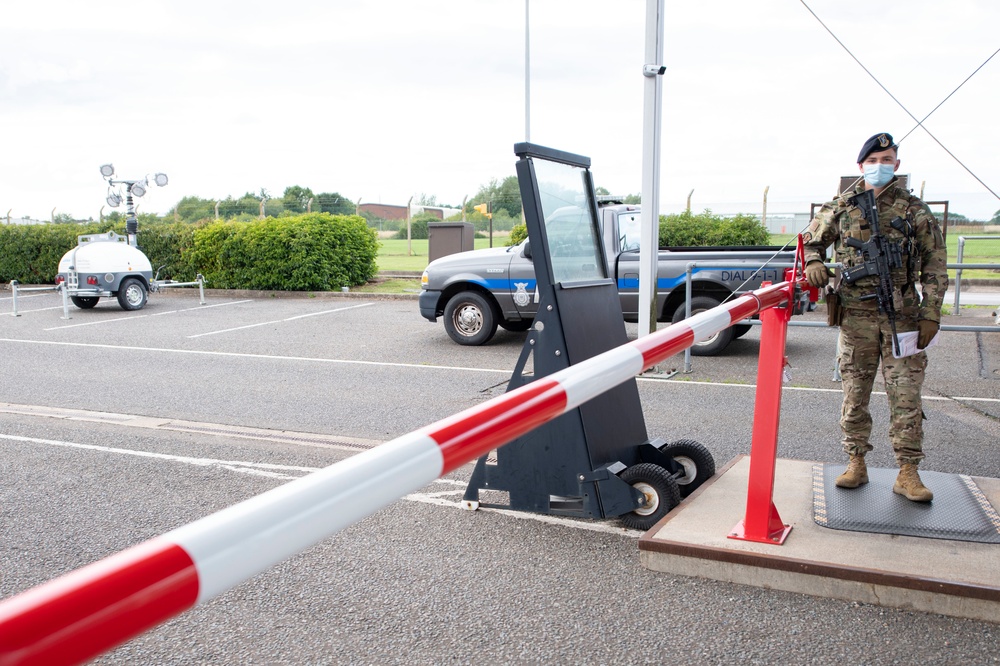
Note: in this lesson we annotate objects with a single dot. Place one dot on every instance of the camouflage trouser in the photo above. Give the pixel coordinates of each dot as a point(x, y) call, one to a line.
point(865, 339)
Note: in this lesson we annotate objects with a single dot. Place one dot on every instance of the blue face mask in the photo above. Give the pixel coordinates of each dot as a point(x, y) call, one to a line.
point(878, 175)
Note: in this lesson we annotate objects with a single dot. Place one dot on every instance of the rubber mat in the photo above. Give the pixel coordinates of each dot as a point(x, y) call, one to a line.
point(959, 511)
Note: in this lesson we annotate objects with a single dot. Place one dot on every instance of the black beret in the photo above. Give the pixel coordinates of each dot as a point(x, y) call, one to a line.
point(881, 141)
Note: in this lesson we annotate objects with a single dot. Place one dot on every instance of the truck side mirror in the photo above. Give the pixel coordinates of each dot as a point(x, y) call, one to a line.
point(527, 249)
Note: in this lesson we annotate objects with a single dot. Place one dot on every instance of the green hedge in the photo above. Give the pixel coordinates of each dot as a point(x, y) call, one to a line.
point(311, 252)
point(706, 229)
point(695, 230)
point(518, 233)
point(30, 253)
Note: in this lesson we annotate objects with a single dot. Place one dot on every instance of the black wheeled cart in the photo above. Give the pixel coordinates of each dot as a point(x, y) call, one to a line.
point(595, 461)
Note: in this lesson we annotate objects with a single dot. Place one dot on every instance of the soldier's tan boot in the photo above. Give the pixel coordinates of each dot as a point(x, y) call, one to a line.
point(855, 475)
point(909, 485)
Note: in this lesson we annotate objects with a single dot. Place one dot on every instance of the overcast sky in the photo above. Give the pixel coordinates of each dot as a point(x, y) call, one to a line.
point(382, 101)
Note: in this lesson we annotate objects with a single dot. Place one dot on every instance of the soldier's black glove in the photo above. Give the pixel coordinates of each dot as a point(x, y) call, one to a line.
point(926, 330)
point(817, 274)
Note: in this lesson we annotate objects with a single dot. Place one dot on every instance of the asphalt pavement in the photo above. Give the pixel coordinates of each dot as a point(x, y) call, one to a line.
point(116, 427)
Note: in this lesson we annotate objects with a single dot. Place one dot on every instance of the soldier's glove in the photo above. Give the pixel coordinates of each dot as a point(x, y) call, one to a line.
point(817, 273)
point(926, 330)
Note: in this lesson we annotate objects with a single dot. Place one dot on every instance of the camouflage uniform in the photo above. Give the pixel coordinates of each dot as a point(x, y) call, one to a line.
point(865, 335)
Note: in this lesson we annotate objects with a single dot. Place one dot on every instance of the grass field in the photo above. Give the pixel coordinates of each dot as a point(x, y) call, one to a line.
point(393, 254)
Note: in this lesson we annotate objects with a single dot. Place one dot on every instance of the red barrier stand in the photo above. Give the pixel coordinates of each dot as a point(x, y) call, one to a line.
point(762, 522)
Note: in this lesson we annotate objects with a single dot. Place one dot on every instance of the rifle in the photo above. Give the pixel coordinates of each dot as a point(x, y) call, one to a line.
point(879, 256)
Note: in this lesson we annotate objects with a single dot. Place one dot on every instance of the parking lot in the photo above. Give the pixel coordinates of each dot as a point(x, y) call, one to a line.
point(118, 426)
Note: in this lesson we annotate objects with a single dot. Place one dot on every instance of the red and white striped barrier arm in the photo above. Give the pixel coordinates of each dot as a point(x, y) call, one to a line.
point(80, 615)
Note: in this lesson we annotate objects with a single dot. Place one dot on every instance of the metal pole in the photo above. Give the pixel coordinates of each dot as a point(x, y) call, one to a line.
point(527, 74)
point(409, 241)
point(65, 296)
point(958, 275)
point(763, 217)
point(649, 242)
point(13, 289)
point(689, 272)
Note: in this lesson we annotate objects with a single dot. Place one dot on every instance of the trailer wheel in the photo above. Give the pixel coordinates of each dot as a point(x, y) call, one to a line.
point(84, 302)
point(132, 294)
point(469, 319)
point(716, 343)
point(697, 461)
point(660, 489)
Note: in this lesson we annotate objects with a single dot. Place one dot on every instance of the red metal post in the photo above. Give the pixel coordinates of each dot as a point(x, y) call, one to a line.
point(762, 522)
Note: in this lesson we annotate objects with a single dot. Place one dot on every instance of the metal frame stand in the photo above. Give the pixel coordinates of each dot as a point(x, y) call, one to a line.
point(570, 466)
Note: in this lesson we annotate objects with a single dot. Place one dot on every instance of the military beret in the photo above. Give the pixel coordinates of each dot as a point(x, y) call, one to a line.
point(881, 141)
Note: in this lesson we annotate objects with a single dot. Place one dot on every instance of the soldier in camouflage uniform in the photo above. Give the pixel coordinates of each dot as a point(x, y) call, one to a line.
point(865, 334)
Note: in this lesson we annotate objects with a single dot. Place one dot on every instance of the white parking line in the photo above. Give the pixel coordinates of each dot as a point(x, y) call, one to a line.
point(55, 307)
point(269, 357)
point(291, 472)
point(140, 316)
point(279, 321)
point(21, 297)
point(201, 307)
point(94, 323)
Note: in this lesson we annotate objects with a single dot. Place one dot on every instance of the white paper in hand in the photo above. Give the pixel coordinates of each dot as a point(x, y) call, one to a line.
point(908, 344)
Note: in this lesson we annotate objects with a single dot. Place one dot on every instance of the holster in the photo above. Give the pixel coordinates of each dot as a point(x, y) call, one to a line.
point(834, 310)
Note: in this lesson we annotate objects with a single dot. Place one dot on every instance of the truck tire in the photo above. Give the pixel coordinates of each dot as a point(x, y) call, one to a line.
point(132, 294)
point(697, 461)
point(660, 490)
point(739, 330)
point(470, 319)
point(715, 344)
point(84, 302)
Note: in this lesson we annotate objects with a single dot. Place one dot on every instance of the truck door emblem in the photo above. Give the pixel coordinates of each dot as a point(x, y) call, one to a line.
point(521, 297)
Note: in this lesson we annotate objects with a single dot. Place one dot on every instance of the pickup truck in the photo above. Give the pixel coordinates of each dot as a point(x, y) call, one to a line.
point(477, 291)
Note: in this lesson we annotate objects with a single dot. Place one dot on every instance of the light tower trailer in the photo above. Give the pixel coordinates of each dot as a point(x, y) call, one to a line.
point(108, 265)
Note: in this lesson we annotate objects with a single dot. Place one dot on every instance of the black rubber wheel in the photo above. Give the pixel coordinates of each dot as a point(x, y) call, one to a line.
point(698, 463)
point(660, 489)
point(715, 344)
point(132, 294)
point(469, 319)
point(739, 330)
point(84, 302)
point(517, 326)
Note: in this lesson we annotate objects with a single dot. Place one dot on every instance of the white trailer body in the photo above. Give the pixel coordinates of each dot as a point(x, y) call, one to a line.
point(106, 265)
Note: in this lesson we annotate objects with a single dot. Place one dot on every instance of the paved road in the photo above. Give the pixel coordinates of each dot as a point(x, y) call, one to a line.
point(116, 427)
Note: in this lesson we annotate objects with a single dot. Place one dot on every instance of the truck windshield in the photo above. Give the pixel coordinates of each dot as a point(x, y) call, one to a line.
point(569, 225)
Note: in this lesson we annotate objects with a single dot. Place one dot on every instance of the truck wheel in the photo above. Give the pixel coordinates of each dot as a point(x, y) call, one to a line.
point(517, 326)
point(716, 343)
point(84, 302)
point(469, 319)
point(697, 461)
point(132, 294)
point(660, 489)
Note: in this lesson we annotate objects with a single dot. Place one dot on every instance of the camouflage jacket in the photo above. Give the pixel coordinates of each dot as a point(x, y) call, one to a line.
point(925, 257)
